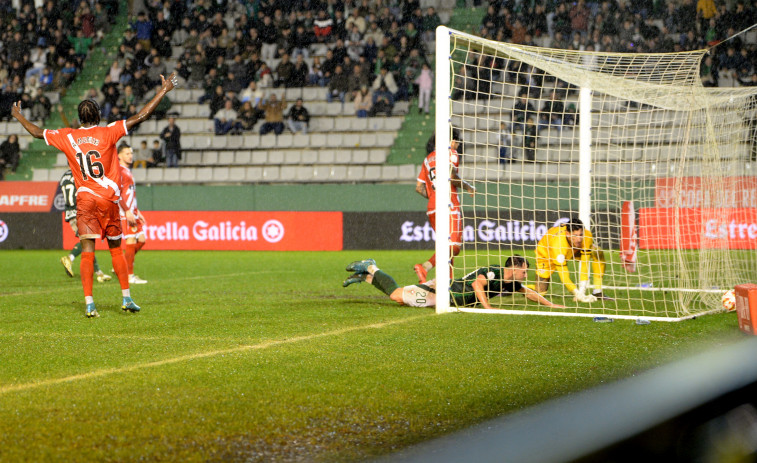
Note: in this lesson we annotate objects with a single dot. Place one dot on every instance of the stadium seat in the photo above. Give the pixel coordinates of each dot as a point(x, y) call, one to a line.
point(197, 93)
point(335, 108)
point(317, 140)
point(237, 174)
point(288, 173)
point(181, 94)
point(220, 174)
point(300, 140)
point(360, 156)
point(259, 157)
point(209, 158)
point(198, 125)
point(234, 142)
point(191, 158)
point(372, 173)
point(217, 141)
point(355, 173)
point(189, 110)
point(60, 160)
point(204, 174)
point(203, 111)
point(154, 175)
point(351, 140)
point(334, 140)
point(311, 93)
point(368, 140)
point(376, 123)
point(408, 172)
point(254, 174)
point(291, 157)
point(338, 174)
point(40, 175)
point(242, 157)
point(251, 141)
point(309, 157)
point(140, 175)
point(226, 158)
point(326, 157)
point(275, 157)
point(393, 123)
point(359, 124)
point(268, 140)
point(390, 173)
point(170, 175)
point(318, 108)
point(56, 173)
point(187, 174)
point(304, 174)
point(325, 124)
point(343, 156)
point(149, 126)
point(377, 156)
point(284, 140)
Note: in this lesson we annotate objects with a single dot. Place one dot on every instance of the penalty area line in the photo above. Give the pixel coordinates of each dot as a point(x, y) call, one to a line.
point(200, 355)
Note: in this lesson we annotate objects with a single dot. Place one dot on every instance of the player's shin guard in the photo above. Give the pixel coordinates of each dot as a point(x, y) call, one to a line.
point(87, 270)
point(129, 251)
point(384, 282)
point(119, 266)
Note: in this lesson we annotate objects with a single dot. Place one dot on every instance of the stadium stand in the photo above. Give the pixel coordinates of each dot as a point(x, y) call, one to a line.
point(338, 145)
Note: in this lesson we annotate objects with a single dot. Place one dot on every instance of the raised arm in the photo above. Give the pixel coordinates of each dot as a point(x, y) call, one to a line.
point(166, 86)
point(30, 127)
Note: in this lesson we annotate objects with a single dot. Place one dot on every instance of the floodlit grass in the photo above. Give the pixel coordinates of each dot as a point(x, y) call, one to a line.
point(265, 357)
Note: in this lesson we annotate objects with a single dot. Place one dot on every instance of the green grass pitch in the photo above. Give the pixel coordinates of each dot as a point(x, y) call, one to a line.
point(253, 356)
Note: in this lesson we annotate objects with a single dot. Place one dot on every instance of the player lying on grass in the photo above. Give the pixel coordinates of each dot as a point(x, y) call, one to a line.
point(570, 241)
point(475, 288)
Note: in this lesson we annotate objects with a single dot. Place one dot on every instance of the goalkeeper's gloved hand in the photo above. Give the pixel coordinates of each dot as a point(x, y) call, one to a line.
point(580, 293)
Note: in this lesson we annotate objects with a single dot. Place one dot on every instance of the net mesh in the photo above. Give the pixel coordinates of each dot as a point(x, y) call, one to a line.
point(671, 166)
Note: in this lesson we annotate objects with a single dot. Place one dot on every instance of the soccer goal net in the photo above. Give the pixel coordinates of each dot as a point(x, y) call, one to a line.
point(660, 169)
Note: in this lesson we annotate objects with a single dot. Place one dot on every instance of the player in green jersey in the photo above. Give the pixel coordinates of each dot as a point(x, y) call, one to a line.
point(477, 287)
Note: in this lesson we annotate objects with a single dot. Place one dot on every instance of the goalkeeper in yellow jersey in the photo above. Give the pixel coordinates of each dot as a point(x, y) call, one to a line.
point(570, 241)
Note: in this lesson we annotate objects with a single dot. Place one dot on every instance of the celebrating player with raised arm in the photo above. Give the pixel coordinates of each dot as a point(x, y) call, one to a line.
point(134, 236)
point(475, 288)
point(425, 187)
point(563, 243)
point(91, 154)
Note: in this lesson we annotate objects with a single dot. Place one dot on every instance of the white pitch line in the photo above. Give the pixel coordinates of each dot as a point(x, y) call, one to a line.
point(199, 355)
point(78, 286)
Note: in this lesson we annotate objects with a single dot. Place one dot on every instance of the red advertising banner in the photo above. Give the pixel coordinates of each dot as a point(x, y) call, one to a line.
point(27, 196)
point(236, 231)
point(688, 192)
point(695, 228)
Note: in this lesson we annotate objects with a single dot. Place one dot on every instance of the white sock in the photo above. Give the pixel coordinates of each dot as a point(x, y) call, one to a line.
point(125, 293)
point(89, 299)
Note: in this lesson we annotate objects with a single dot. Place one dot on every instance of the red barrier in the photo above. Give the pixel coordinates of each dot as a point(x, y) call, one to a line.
point(27, 196)
point(695, 228)
point(237, 231)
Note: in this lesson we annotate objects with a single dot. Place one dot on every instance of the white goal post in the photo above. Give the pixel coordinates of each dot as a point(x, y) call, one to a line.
point(661, 170)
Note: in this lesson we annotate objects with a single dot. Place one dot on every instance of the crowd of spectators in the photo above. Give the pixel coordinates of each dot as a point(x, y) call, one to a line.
point(42, 49)
point(639, 26)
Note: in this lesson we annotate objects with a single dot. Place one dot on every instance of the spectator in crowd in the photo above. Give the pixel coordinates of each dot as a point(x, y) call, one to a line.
point(248, 115)
point(338, 86)
point(529, 139)
point(298, 118)
point(171, 136)
point(386, 79)
point(41, 106)
point(274, 115)
point(363, 101)
point(10, 154)
point(225, 120)
point(505, 141)
point(142, 155)
point(315, 73)
point(383, 102)
point(425, 82)
point(252, 94)
point(552, 112)
point(284, 72)
point(299, 73)
point(158, 154)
